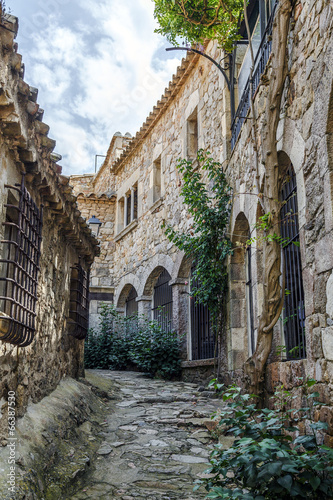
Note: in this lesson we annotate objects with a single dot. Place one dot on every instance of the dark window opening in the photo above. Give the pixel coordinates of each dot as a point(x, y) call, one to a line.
point(131, 307)
point(19, 267)
point(249, 294)
point(162, 309)
point(135, 202)
point(202, 337)
point(294, 313)
point(79, 302)
point(129, 209)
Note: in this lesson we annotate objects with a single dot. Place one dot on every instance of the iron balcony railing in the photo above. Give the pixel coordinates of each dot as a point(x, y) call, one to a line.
point(259, 67)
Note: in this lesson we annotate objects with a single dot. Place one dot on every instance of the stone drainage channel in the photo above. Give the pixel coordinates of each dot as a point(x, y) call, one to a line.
point(156, 440)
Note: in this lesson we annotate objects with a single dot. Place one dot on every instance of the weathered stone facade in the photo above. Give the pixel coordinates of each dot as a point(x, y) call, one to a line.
point(198, 97)
point(34, 370)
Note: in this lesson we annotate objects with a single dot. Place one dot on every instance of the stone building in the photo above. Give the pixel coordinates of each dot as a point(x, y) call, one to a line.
point(46, 248)
point(138, 187)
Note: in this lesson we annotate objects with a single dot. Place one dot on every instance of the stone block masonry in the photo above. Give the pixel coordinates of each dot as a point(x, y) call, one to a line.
point(33, 371)
point(194, 112)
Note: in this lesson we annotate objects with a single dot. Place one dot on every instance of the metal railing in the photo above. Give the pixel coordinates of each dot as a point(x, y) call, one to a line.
point(259, 67)
point(162, 310)
point(20, 268)
point(294, 313)
point(202, 336)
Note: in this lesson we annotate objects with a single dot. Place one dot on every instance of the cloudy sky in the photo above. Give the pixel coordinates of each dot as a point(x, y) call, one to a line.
point(99, 68)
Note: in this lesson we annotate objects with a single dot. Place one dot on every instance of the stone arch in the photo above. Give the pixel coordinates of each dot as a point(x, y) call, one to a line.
point(238, 342)
point(291, 149)
point(123, 289)
point(182, 266)
point(152, 272)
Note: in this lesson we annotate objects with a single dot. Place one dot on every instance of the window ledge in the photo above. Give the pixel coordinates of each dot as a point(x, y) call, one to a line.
point(156, 204)
point(126, 230)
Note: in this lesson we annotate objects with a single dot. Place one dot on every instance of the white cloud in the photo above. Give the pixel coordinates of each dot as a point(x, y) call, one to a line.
point(97, 74)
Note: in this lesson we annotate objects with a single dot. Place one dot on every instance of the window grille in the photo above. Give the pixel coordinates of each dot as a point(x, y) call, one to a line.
point(162, 310)
point(135, 203)
point(203, 340)
point(20, 268)
point(250, 298)
point(79, 302)
point(294, 314)
point(131, 303)
point(129, 209)
point(260, 62)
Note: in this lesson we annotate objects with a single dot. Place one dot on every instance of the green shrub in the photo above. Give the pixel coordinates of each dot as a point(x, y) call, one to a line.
point(270, 458)
point(122, 342)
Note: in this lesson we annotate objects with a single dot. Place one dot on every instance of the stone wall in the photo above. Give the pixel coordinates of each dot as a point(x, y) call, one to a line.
point(35, 370)
point(304, 140)
point(198, 91)
point(140, 251)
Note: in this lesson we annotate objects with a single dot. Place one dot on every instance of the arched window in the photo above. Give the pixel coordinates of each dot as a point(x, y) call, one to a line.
point(202, 337)
point(131, 305)
point(293, 313)
point(162, 301)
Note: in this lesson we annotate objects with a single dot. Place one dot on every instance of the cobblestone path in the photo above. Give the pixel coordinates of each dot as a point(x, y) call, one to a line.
point(155, 441)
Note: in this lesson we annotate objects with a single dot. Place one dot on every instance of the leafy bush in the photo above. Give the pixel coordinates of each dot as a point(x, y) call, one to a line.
point(122, 342)
point(270, 458)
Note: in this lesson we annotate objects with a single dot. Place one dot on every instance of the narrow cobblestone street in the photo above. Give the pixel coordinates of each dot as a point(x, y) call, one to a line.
point(155, 440)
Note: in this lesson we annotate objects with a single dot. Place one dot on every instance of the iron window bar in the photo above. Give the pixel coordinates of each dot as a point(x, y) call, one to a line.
point(20, 269)
point(131, 303)
point(79, 302)
point(162, 310)
point(294, 312)
point(260, 63)
point(202, 337)
point(249, 285)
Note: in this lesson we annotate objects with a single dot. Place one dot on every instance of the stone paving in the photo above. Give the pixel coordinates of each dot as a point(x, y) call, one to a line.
point(155, 440)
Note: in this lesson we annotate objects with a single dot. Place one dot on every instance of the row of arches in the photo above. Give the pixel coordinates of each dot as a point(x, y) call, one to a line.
point(170, 305)
point(162, 289)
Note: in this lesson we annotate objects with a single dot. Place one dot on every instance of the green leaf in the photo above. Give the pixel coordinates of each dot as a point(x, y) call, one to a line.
point(286, 482)
point(315, 482)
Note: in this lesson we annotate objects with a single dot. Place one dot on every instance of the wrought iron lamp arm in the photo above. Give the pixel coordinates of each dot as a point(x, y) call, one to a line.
point(207, 57)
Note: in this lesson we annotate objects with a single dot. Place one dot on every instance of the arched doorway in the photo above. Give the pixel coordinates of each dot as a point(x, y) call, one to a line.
point(131, 305)
point(203, 341)
point(162, 301)
point(293, 311)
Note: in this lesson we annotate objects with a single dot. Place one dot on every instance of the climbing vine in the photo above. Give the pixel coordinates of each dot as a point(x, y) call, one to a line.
point(205, 241)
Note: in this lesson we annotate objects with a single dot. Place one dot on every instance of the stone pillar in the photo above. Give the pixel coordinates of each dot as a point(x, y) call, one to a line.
point(180, 313)
point(144, 305)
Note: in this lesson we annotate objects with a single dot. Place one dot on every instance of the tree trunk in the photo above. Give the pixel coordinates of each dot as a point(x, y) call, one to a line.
point(273, 296)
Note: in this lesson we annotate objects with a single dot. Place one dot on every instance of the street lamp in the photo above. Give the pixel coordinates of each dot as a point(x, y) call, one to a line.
point(94, 224)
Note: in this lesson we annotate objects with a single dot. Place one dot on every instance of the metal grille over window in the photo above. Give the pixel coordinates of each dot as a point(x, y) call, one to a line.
point(294, 314)
point(260, 62)
point(131, 303)
point(203, 341)
point(249, 294)
point(79, 303)
point(19, 267)
point(162, 310)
